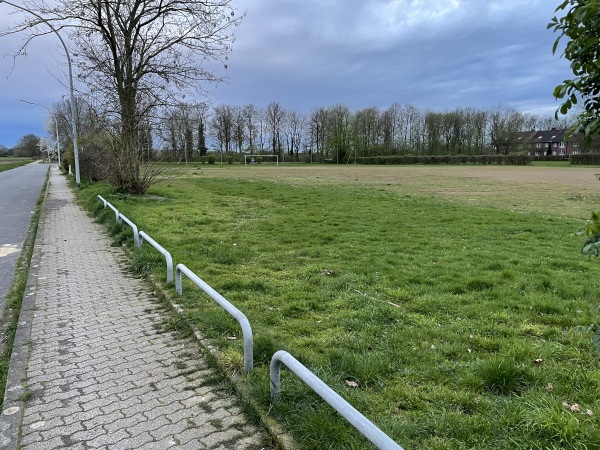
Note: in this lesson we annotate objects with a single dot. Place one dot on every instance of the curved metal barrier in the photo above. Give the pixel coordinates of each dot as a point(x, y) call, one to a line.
point(224, 303)
point(361, 423)
point(136, 234)
point(144, 237)
point(107, 204)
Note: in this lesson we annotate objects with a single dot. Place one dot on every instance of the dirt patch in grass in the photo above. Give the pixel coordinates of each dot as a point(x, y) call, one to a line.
point(559, 191)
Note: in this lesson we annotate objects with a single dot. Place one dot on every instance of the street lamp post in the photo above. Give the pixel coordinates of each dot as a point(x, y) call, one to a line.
point(55, 124)
point(73, 113)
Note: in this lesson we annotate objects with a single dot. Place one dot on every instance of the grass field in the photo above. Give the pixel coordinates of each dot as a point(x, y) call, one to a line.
point(12, 163)
point(450, 305)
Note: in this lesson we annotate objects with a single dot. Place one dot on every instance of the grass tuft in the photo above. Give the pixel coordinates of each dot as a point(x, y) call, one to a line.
point(505, 376)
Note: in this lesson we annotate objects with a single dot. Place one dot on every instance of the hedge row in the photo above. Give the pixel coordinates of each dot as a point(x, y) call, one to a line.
point(550, 158)
point(446, 159)
point(586, 158)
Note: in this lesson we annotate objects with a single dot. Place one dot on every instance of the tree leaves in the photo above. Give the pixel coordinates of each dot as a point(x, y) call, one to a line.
point(581, 26)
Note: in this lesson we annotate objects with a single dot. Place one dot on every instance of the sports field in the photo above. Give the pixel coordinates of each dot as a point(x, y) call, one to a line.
point(564, 190)
point(451, 305)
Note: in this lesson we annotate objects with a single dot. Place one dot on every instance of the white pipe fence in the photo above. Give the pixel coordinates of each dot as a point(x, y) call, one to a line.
point(381, 440)
point(226, 305)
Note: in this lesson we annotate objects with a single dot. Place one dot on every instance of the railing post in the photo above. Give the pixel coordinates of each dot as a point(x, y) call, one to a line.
point(178, 283)
point(275, 376)
point(144, 236)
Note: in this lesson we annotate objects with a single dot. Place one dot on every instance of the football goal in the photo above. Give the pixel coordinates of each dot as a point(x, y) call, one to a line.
point(261, 159)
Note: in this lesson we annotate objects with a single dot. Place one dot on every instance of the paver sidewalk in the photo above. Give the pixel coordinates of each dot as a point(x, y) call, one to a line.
point(90, 370)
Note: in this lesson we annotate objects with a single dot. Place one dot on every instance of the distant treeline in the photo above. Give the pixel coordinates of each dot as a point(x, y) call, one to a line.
point(340, 134)
point(334, 133)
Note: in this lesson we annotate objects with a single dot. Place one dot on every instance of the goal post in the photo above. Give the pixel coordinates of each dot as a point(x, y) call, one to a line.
point(259, 159)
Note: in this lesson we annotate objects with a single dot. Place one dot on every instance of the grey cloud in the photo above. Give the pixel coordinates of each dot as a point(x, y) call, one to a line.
point(437, 54)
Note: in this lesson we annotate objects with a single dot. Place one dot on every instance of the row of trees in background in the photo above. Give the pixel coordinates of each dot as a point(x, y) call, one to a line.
point(28, 146)
point(336, 133)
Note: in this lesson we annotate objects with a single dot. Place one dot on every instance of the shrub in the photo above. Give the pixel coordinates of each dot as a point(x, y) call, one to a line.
point(211, 159)
point(585, 158)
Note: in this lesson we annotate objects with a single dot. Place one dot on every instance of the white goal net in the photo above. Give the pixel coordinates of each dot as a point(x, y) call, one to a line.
point(261, 159)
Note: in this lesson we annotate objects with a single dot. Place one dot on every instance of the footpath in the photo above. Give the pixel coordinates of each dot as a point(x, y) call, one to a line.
point(92, 367)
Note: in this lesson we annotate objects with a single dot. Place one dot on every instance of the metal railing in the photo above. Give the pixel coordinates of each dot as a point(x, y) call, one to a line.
point(224, 303)
point(136, 234)
point(161, 249)
point(107, 204)
point(361, 423)
point(381, 440)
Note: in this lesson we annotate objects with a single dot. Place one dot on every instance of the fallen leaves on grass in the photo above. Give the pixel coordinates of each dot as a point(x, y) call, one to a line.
point(576, 408)
point(351, 383)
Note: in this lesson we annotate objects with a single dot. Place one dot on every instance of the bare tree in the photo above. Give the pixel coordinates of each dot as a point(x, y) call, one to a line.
point(294, 127)
point(503, 124)
point(177, 125)
point(139, 54)
point(317, 131)
point(261, 128)
point(239, 129)
point(393, 126)
point(250, 114)
point(366, 134)
point(275, 114)
point(337, 141)
point(222, 126)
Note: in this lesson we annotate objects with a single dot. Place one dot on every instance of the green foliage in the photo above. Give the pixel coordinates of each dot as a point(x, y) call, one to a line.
point(591, 247)
point(580, 25)
point(585, 158)
point(28, 145)
point(592, 244)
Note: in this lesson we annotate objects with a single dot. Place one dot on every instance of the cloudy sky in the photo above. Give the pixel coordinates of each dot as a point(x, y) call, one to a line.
point(437, 54)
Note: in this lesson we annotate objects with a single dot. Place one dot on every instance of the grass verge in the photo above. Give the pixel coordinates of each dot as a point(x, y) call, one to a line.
point(12, 164)
point(14, 298)
point(449, 325)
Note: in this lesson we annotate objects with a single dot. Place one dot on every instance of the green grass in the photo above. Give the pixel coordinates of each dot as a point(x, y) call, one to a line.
point(12, 163)
point(437, 309)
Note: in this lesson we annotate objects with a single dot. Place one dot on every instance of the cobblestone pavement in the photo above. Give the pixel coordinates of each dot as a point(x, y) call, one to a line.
point(91, 367)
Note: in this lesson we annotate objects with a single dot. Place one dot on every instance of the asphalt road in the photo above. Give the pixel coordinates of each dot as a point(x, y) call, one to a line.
point(19, 190)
